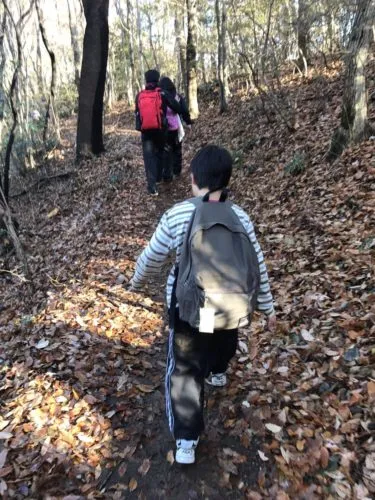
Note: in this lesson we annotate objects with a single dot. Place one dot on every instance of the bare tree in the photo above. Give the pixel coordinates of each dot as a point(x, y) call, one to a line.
point(2, 66)
point(4, 182)
point(135, 84)
point(93, 77)
point(354, 125)
point(132, 84)
point(142, 58)
point(150, 40)
point(8, 222)
point(221, 23)
point(303, 23)
point(191, 59)
point(181, 50)
point(50, 111)
point(75, 45)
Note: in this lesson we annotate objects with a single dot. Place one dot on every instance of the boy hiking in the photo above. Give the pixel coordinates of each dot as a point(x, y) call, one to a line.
point(151, 109)
point(172, 158)
point(219, 277)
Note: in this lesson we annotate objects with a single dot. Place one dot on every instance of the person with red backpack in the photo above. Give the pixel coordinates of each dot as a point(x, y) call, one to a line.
point(218, 279)
point(151, 110)
point(172, 157)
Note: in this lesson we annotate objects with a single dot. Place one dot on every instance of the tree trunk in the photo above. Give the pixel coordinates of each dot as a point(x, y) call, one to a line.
point(151, 41)
point(93, 77)
point(221, 23)
point(75, 46)
point(2, 66)
point(4, 181)
point(51, 98)
point(141, 56)
point(181, 52)
point(191, 59)
point(302, 34)
point(38, 65)
point(110, 92)
point(354, 125)
point(129, 25)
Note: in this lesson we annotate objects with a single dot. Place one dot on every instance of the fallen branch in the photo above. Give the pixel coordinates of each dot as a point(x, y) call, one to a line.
point(9, 225)
point(44, 180)
point(21, 278)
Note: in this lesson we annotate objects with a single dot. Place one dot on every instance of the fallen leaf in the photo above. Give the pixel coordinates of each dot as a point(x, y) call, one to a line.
point(145, 388)
point(306, 335)
point(263, 456)
point(170, 457)
point(286, 455)
point(273, 428)
point(228, 466)
point(330, 352)
point(3, 487)
point(122, 381)
point(371, 388)
point(3, 457)
point(5, 435)
point(145, 467)
point(122, 469)
point(4, 424)
point(5, 471)
point(243, 347)
point(282, 369)
point(42, 344)
point(133, 484)
point(300, 445)
point(53, 213)
point(324, 457)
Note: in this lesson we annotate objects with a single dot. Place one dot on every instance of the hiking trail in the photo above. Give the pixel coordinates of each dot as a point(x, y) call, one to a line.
point(82, 360)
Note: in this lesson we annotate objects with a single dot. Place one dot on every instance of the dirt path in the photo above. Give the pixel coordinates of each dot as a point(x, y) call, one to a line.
point(220, 451)
point(84, 360)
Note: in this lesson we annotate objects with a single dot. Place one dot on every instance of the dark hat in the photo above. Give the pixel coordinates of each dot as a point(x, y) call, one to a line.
point(152, 76)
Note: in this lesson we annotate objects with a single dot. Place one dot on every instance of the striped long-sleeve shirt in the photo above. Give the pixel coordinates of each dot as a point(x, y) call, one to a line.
point(169, 236)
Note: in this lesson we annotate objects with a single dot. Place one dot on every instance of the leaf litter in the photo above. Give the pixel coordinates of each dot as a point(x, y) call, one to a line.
point(81, 359)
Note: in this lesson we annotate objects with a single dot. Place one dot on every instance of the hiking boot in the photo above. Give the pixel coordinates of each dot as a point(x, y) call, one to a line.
point(217, 379)
point(185, 453)
point(153, 192)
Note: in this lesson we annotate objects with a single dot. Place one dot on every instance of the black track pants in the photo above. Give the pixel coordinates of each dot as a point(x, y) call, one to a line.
point(172, 156)
point(153, 146)
point(191, 357)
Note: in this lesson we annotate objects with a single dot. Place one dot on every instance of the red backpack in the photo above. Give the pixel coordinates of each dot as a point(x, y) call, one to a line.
point(150, 109)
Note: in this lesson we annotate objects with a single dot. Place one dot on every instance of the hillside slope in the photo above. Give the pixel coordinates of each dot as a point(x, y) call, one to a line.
point(82, 360)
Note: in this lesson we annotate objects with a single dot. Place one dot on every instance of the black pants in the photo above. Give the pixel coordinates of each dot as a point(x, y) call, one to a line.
point(191, 357)
point(153, 147)
point(172, 156)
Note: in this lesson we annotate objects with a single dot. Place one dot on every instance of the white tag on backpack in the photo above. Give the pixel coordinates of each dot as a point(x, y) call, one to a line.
point(207, 320)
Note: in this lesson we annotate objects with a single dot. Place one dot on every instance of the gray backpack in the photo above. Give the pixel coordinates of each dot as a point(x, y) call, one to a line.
point(218, 279)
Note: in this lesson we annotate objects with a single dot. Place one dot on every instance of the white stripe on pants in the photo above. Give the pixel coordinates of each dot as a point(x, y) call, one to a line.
point(170, 368)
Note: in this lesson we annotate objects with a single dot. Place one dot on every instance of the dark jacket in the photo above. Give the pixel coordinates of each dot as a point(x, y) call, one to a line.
point(167, 101)
point(185, 115)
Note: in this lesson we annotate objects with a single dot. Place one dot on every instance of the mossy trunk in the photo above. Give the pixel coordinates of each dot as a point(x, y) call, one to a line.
point(354, 125)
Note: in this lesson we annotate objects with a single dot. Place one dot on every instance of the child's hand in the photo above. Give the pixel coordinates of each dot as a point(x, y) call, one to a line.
point(271, 322)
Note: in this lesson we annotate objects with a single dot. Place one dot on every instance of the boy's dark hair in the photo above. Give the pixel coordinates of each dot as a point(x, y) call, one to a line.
point(152, 76)
point(212, 168)
point(167, 84)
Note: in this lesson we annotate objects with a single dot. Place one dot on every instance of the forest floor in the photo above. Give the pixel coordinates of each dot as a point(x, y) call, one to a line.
point(82, 360)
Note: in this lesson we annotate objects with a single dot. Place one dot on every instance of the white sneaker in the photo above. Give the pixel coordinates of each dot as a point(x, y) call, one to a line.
point(185, 453)
point(217, 379)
